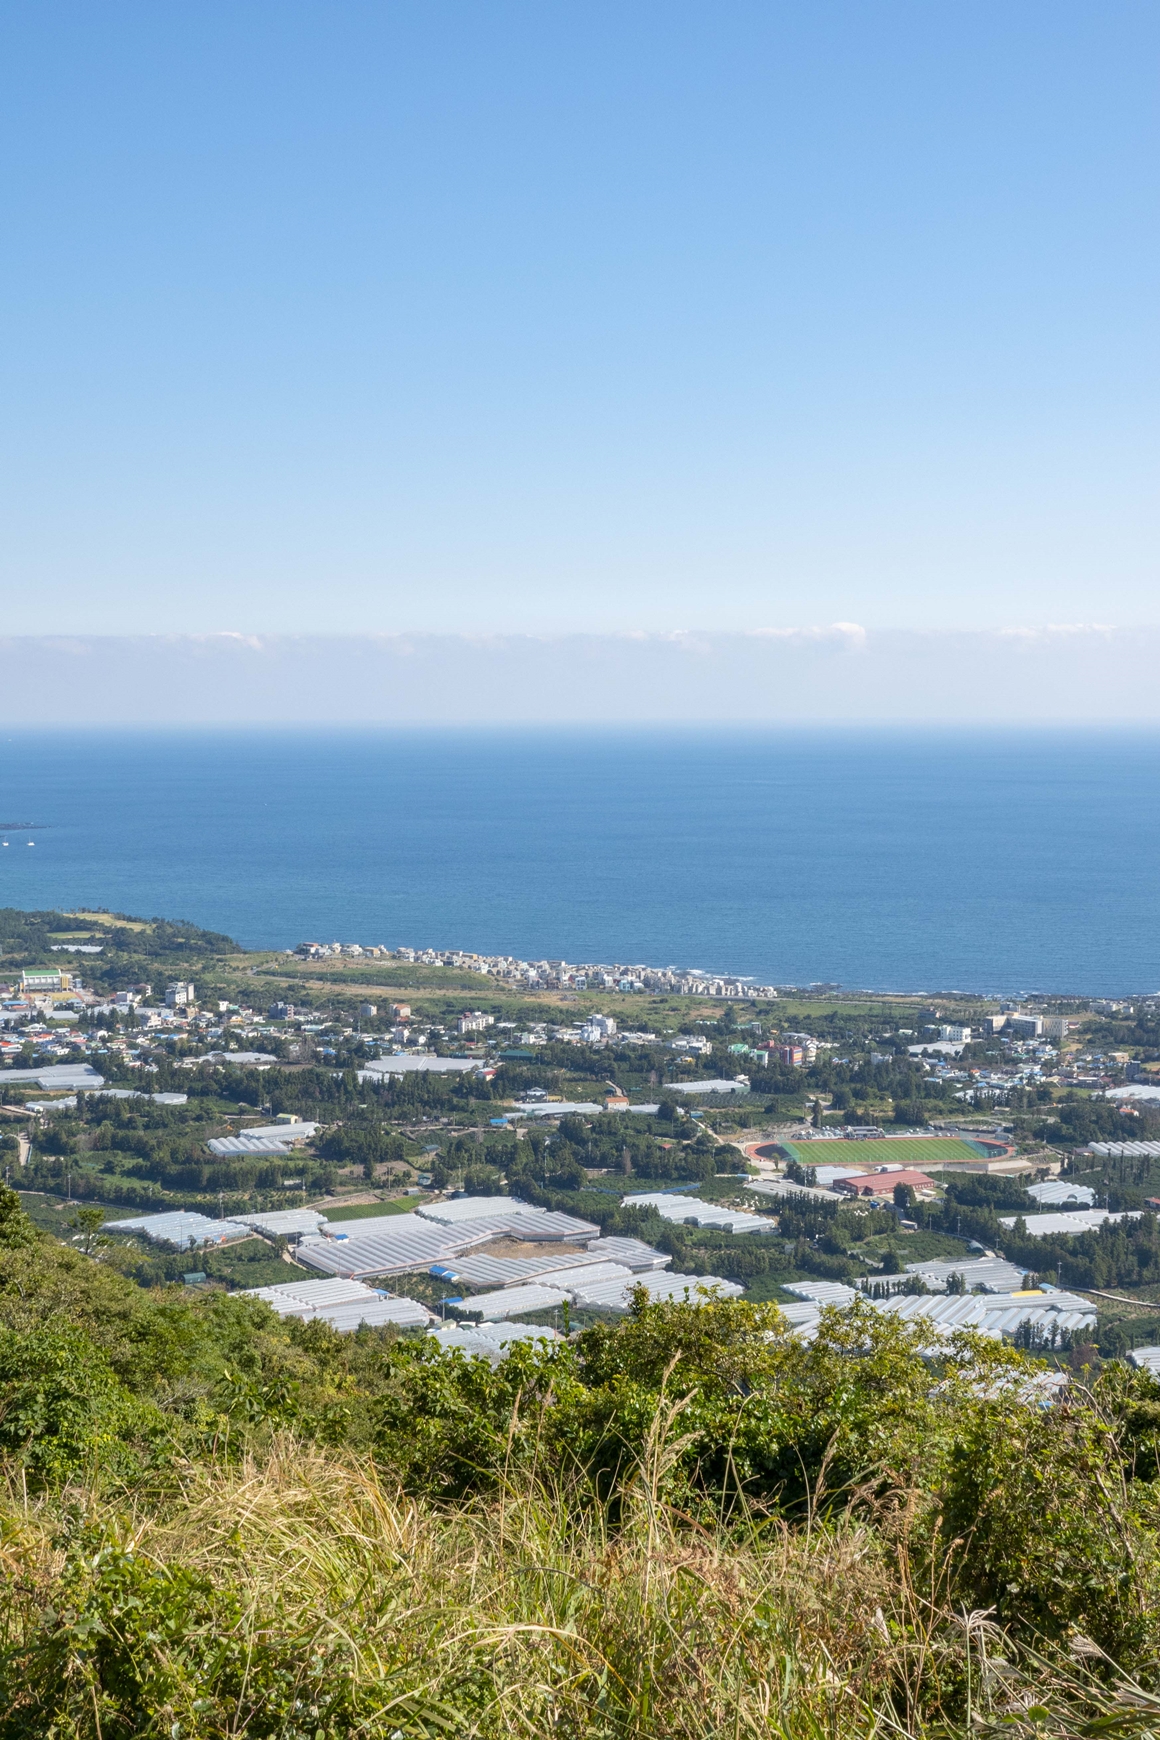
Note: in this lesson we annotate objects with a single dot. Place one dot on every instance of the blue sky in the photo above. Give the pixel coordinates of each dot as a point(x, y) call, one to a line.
point(380, 318)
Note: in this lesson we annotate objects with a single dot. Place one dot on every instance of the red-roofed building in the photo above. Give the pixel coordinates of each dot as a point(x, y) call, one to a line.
point(882, 1183)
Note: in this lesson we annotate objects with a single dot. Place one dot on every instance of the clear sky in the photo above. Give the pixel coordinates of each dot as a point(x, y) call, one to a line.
point(361, 316)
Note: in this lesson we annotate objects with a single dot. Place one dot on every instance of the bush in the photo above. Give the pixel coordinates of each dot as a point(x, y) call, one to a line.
point(62, 1410)
point(684, 1523)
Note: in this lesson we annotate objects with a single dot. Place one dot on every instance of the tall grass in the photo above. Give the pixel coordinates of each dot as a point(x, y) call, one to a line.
point(294, 1595)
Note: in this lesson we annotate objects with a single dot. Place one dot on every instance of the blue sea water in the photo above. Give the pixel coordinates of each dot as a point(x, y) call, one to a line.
point(1002, 862)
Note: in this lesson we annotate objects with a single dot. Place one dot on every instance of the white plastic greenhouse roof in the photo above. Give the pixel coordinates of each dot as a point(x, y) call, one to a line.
point(635, 1254)
point(1081, 1220)
point(119, 1093)
point(514, 1301)
point(491, 1340)
point(477, 1269)
point(181, 1229)
point(1054, 1192)
point(227, 1146)
point(685, 1209)
point(536, 1225)
point(345, 1305)
point(577, 1281)
point(417, 1063)
point(556, 1108)
point(388, 1245)
point(299, 1132)
point(293, 1297)
point(719, 1086)
point(786, 1187)
point(404, 1313)
point(286, 1221)
point(497, 1216)
point(801, 1316)
point(660, 1284)
point(384, 1245)
point(70, 1076)
point(994, 1274)
point(993, 1314)
point(457, 1208)
point(823, 1292)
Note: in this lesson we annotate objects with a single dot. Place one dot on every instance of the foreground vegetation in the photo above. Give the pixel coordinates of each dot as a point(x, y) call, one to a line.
point(216, 1523)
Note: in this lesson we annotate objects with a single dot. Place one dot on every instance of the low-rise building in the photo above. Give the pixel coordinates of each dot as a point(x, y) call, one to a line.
point(42, 980)
point(883, 1183)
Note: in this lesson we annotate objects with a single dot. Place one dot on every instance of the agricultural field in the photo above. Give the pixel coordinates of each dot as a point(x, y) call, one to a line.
point(369, 1210)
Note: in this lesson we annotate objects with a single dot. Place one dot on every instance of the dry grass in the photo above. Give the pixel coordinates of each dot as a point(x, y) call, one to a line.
point(332, 1606)
point(662, 1629)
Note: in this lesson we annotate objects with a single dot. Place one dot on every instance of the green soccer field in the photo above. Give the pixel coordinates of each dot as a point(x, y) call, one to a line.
point(912, 1151)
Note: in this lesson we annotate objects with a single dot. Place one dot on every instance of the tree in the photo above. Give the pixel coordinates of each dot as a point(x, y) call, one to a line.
point(61, 1407)
point(89, 1222)
point(16, 1230)
point(365, 1145)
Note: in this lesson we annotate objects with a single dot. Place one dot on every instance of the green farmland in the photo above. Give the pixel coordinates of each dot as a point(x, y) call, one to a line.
point(916, 1151)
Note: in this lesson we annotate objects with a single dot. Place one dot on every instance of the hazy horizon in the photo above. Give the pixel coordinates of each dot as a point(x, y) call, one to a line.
point(841, 675)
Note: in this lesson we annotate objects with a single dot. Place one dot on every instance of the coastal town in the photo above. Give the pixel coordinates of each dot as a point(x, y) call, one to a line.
point(556, 975)
point(480, 1168)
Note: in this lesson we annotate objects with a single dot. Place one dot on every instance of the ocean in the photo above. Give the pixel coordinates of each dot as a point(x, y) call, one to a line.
point(909, 861)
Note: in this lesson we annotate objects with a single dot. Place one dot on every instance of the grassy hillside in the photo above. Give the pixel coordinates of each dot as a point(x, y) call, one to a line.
point(683, 1525)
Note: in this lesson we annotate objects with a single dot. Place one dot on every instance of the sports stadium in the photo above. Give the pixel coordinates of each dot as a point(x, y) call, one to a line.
point(919, 1151)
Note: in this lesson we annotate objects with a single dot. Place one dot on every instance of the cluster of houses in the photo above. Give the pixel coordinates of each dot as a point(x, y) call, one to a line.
point(557, 975)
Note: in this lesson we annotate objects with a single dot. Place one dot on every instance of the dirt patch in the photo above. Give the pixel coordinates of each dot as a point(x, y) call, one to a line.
point(522, 1248)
